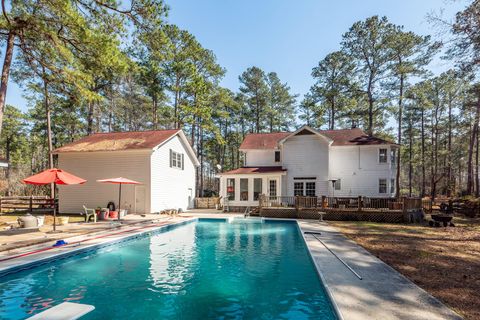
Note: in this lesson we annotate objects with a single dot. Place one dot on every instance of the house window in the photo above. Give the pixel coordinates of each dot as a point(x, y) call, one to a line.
point(382, 155)
point(277, 156)
point(392, 185)
point(393, 156)
point(176, 159)
point(243, 189)
point(272, 188)
point(231, 189)
point(338, 184)
point(257, 188)
point(310, 189)
point(298, 188)
point(382, 185)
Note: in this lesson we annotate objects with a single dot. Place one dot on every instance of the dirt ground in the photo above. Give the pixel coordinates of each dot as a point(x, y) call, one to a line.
point(443, 261)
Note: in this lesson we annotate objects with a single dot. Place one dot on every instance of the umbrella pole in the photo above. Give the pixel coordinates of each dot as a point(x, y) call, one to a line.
point(119, 201)
point(54, 208)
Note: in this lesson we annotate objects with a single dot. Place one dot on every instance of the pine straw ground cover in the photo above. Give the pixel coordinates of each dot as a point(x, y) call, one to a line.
point(443, 261)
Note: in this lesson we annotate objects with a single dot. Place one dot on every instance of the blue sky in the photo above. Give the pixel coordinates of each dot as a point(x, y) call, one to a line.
point(288, 37)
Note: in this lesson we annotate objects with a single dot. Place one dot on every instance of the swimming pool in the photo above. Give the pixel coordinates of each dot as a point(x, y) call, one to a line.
point(206, 269)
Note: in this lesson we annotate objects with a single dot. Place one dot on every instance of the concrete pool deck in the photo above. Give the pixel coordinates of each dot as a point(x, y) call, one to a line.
point(25, 256)
point(382, 293)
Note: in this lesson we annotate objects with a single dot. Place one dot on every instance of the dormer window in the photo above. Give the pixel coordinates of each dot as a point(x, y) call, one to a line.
point(277, 156)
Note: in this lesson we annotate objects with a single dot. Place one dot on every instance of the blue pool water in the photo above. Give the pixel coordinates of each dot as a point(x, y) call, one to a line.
point(201, 270)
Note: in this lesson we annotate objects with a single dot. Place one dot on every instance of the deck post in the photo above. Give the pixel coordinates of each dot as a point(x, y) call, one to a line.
point(30, 204)
point(323, 201)
point(360, 203)
point(404, 209)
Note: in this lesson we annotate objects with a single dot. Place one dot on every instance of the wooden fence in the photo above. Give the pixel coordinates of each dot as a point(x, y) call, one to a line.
point(33, 204)
point(207, 203)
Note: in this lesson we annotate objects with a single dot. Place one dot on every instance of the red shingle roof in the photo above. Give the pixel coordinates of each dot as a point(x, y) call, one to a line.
point(343, 137)
point(255, 170)
point(115, 141)
point(354, 137)
point(262, 140)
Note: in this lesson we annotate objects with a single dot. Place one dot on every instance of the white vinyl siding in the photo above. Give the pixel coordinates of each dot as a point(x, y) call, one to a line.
point(93, 166)
point(359, 171)
point(306, 156)
point(172, 188)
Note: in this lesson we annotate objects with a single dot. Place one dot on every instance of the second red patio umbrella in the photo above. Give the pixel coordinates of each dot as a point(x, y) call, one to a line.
point(55, 176)
point(119, 181)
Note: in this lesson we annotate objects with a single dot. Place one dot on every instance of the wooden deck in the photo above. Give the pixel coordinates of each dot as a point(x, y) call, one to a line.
point(343, 209)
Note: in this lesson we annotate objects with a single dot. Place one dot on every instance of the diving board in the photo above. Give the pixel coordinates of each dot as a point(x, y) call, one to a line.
point(64, 311)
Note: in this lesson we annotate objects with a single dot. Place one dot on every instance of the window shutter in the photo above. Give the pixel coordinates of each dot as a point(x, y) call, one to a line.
point(182, 161)
point(171, 158)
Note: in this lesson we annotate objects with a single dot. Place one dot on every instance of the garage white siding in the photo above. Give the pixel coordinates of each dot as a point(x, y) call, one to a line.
point(172, 188)
point(92, 166)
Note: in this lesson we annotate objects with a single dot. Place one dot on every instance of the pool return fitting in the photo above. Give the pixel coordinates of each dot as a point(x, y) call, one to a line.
point(314, 234)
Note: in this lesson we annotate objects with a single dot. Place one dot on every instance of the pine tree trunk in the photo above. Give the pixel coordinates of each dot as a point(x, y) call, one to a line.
point(49, 131)
point(175, 105)
point(449, 151)
point(473, 139)
point(410, 156)
point(201, 162)
point(400, 114)
point(154, 111)
point(7, 62)
point(370, 106)
point(332, 111)
point(424, 180)
point(477, 182)
point(91, 111)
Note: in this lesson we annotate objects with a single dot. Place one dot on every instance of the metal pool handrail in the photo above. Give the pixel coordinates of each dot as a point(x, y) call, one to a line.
point(314, 234)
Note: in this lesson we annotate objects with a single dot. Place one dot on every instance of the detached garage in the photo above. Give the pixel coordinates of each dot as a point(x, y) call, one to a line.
point(162, 160)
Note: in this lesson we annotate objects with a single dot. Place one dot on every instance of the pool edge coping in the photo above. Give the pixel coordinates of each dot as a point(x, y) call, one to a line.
point(109, 242)
point(75, 251)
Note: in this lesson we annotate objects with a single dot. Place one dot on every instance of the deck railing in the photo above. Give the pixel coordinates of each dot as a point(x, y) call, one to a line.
point(341, 203)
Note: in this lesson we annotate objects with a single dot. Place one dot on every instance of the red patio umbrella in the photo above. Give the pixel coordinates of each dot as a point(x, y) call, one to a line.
point(55, 176)
point(119, 181)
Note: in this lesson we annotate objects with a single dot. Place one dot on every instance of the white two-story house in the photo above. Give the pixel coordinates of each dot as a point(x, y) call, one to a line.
point(310, 162)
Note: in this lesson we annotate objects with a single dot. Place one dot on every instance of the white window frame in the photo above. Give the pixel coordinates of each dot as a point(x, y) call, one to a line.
point(270, 189)
point(314, 188)
point(233, 185)
point(393, 156)
point(299, 183)
point(338, 185)
point(392, 185)
point(176, 160)
point(259, 192)
point(386, 185)
point(275, 156)
point(379, 155)
point(243, 191)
